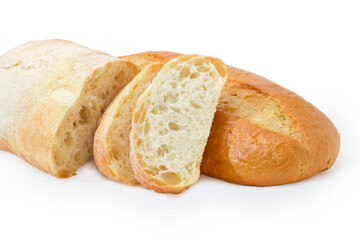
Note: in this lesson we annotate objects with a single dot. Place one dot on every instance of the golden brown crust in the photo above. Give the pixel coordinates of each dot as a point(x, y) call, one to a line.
point(243, 152)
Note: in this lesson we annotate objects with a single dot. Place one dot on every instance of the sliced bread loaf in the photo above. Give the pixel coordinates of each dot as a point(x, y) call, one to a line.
point(112, 143)
point(172, 121)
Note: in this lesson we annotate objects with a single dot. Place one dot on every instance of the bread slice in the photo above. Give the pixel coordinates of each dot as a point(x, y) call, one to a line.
point(262, 133)
point(112, 142)
point(53, 93)
point(172, 121)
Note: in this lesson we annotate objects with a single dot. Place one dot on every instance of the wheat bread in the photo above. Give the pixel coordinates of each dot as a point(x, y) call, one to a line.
point(172, 120)
point(53, 92)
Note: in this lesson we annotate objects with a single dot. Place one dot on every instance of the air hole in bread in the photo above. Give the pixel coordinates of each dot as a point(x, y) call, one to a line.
point(176, 109)
point(185, 72)
point(142, 116)
point(163, 168)
point(68, 139)
point(147, 128)
point(194, 104)
point(198, 62)
point(120, 75)
point(174, 126)
point(85, 115)
point(154, 111)
point(195, 75)
point(77, 157)
point(139, 142)
point(165, 148)
point(160, 152)
point(171, 178)
point(150, 172)
point(173, 84)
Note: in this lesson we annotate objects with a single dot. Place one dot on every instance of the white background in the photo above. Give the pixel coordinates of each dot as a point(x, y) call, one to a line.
point(310, 47)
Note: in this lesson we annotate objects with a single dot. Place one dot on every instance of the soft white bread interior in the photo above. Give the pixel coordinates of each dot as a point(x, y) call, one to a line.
point(53, 93)
point(112, 142)
point(172, 121)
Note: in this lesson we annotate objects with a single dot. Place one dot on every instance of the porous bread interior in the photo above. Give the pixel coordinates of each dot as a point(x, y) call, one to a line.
point(118, 141)
point(172, 120)
point(74, 138)
point(258, 108)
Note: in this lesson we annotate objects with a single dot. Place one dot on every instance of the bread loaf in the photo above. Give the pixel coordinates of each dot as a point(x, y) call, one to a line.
point(53, 92)
point(172, 120)
point(112, 142)
point(262, 134)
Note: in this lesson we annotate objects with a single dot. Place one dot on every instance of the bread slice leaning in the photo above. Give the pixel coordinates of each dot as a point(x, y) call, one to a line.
point(112, 142)
point(53, 93)
point(172, 121)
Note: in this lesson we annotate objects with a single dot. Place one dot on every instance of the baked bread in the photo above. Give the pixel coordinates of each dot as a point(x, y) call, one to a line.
point(112, 142)
point(262, 133)
point(172, 120)
point(53, 92)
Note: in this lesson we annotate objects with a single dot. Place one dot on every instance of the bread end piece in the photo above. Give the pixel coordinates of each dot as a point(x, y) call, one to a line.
point(56, 90)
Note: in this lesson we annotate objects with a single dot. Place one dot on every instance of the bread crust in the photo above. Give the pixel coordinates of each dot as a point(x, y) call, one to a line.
point(243, 152)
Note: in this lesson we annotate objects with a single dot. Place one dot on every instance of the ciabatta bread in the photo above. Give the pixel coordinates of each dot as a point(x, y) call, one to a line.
point(262, 134)
point(52, 94)
point(172, 121)
point(112, 142)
